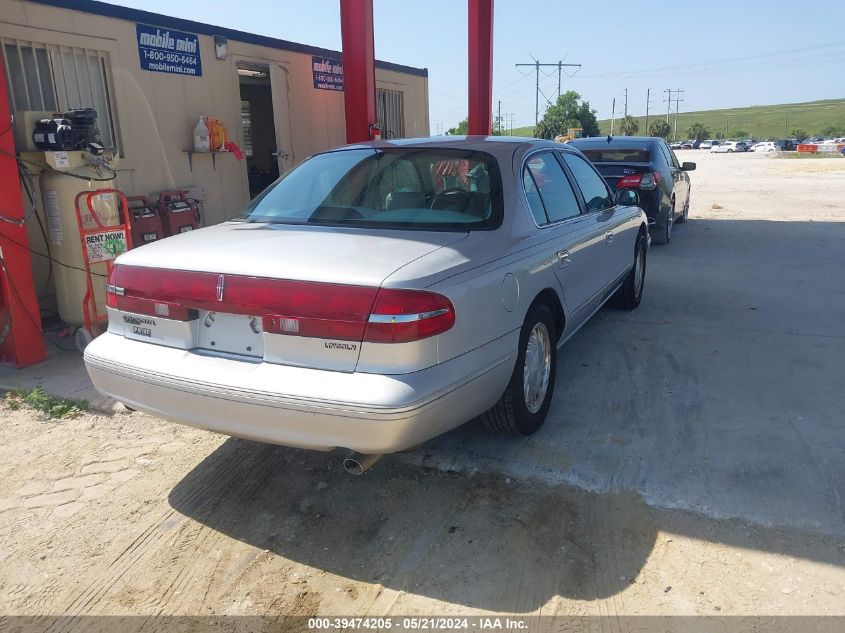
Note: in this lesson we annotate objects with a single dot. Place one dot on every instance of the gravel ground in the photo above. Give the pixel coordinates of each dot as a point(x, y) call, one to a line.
point(125, 514)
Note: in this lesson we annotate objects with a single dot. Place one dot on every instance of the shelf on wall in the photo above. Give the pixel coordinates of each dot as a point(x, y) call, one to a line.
point(191, 153)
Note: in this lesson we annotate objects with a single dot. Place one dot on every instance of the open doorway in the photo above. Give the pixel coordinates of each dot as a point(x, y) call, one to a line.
point(260, 148)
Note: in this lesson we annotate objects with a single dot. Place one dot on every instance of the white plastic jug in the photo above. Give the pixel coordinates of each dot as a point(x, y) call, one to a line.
point(202, 141)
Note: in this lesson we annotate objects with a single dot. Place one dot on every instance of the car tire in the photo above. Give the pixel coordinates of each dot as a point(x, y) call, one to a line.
point(730, 151)
point(521, 410)
point(664, 235)
point(685, 215)
point(630, 293)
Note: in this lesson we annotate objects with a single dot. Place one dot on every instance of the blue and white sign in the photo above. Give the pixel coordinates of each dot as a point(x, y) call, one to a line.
point(168, 51)
point(328, 73)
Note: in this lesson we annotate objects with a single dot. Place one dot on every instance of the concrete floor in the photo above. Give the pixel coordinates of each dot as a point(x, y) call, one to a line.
point(722, 393)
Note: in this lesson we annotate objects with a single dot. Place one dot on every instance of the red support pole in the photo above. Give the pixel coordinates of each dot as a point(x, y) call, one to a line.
point(359, 69)
point(21, 339)
point(480, 67)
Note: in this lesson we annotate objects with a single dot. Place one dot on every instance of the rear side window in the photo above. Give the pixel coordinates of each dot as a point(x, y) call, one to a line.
point(596, 194)
point(547, 188)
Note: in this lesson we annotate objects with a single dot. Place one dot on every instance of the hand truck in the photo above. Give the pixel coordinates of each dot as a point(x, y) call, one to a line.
point(100, 245)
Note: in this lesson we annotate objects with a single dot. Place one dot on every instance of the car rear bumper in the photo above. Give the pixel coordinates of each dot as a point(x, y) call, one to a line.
point(294, 406)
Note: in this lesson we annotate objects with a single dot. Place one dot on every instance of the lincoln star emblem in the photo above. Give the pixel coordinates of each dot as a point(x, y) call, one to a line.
point(221, 284)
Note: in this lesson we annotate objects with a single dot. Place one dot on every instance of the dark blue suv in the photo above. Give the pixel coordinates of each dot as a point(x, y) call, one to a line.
point(648, 165)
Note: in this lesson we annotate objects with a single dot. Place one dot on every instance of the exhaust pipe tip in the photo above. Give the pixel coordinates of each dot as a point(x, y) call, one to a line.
point(357, 464)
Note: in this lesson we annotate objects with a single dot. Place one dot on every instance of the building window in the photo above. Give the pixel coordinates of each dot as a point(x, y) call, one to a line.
point(246, 120)
point(391, 113)
point(46, 77)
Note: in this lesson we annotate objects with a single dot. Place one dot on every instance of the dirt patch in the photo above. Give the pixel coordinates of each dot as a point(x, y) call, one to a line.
point(127, 514)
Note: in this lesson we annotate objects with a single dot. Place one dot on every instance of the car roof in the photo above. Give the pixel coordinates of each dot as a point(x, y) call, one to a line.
point(501, 147)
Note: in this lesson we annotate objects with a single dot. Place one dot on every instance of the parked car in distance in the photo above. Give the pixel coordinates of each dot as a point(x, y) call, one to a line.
point(706, 144)
point(675, 145)
point(765, 146)
point(729, 147)
point(687, 145)
point(649, 166)
point(376, 296)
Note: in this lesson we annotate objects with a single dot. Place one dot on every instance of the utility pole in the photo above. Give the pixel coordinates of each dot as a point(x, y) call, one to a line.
point(612, 116)
point(677, 106)
point(647, 103)
point(537, 64)
point(626, 102)
point(499, 118)
point(786, 126)
point(668, 99)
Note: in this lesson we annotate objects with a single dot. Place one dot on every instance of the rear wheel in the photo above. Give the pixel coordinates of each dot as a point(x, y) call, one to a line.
point(664, 235)
point(523, 406)
point(630, 293)
point(685, 215)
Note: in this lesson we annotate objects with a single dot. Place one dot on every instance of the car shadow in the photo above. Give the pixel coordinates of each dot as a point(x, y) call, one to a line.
point(481, 541)
point(720, 395)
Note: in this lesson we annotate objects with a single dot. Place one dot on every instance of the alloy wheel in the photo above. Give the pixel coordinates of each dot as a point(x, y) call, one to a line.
point(537, 367)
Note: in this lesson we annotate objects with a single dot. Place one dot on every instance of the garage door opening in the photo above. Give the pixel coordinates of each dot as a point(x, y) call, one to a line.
point(259, 127)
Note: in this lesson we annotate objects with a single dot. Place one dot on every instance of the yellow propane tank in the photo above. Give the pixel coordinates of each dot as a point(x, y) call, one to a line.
point(67, 174)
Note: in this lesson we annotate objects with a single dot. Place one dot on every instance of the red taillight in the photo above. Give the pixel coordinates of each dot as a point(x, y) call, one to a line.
point(400, 316)
point(646, 181)
point(294, 308)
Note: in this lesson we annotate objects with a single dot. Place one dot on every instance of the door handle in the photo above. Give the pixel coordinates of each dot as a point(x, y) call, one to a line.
point(608, 235)
point(563, 259)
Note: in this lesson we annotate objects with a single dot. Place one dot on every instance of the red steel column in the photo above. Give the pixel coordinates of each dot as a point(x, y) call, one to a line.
point(480, 67)
point(21, 340)
point(359, 68)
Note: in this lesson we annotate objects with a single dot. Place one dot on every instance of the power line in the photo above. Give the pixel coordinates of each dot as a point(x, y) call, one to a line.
point(647, 104)
point(537, 65)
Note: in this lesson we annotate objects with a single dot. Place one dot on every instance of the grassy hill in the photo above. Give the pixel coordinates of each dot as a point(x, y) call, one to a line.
point(769, 121)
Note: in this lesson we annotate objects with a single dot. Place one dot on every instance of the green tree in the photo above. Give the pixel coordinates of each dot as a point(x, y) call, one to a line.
point(459, 130)
point(799, 133)
point(628, 125)
point(740, 134)
point(698, 132)
point(832, 130)
point(462, 128)
point(567, 112)
point(720, 135)
point(660, 128)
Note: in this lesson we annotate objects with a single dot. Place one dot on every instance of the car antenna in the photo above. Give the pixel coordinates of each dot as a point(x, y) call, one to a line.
point(609, 138)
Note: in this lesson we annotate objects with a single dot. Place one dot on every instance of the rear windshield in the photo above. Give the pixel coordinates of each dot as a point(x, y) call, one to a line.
point(408, 188)
point(617, 155)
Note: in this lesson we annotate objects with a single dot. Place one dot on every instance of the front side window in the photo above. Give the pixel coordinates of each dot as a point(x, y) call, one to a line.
point(550, 196)
point(596, 194)
point(407, 188)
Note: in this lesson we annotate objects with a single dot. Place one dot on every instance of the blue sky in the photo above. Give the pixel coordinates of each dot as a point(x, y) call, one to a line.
point(723, 54)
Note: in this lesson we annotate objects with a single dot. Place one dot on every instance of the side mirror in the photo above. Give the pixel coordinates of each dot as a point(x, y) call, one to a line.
point(627, 198)
point(688, 166)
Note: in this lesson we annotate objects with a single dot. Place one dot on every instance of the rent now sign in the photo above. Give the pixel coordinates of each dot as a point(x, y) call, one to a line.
point(169, 51)
point(105, 245)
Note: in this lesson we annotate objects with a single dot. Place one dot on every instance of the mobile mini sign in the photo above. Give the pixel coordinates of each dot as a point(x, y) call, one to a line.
point(168, 51)
point(328, 73)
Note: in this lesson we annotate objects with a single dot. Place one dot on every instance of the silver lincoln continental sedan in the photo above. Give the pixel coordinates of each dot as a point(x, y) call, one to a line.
point(376, 296)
